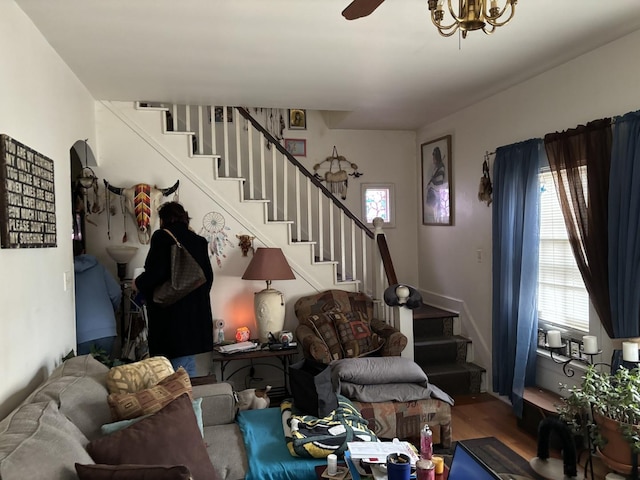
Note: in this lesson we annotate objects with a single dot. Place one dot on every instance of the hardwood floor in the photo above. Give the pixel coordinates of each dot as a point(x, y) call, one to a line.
point(485, 415)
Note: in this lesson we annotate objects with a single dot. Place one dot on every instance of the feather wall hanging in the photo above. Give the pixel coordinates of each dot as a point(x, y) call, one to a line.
point(336, 177)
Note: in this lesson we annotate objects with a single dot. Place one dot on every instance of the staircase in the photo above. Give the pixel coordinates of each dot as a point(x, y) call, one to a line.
point(285, 206)
point(442, 354)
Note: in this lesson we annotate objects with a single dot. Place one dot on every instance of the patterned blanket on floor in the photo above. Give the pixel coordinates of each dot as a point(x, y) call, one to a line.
point(312, 437)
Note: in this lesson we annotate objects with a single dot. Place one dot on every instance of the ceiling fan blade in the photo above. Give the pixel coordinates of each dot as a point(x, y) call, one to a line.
point(360, 8)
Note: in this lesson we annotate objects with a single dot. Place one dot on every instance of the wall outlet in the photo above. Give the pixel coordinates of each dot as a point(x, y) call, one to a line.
point(479, 255)
point(66, 280)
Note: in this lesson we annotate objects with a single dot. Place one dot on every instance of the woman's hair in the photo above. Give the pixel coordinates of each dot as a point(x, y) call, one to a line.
point(437, 155)
point(173, 212)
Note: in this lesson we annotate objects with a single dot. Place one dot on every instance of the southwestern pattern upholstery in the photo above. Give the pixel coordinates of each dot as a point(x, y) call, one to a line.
point(404, 419)
point(325, 334)
point(316, 326)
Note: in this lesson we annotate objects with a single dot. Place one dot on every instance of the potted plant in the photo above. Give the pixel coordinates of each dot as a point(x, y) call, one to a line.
point(608, 407)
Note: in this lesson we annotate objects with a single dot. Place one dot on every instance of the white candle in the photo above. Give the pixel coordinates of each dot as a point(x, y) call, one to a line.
point(553, 339)
point(630, 351)
point(590, 343)
point(332, 464)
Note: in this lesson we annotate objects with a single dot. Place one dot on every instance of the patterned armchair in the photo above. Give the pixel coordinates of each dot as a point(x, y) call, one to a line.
point(337, 324)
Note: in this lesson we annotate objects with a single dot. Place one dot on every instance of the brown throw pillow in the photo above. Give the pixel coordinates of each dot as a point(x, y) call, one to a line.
point(354, 333)
point(325, 329)
point(125, 406)
point(169, 437)
point(132, 472)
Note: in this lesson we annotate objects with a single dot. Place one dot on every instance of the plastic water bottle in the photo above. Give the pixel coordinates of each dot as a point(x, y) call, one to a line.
point(426, 443)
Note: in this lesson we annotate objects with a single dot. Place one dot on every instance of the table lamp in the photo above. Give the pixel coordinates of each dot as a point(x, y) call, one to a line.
point(268, 264)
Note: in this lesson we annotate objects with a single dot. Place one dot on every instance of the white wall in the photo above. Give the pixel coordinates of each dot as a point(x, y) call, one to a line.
point(44, 106)
point(599, 84)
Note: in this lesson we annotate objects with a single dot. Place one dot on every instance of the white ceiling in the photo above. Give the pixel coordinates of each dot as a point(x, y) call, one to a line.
point(391, 70)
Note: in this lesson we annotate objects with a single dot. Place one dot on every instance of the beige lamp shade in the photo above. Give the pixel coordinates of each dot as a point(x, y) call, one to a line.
point(268, 264)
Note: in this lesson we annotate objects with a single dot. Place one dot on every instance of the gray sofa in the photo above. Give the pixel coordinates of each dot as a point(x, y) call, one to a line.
point(48, 433)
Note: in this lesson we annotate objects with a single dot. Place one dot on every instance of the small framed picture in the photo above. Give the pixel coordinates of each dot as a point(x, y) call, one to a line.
point(296, 146)
point(218, 114)
point(297, 119)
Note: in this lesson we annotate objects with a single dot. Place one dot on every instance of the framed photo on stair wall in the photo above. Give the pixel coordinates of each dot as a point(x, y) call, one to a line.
point(297, 119)
point(437, 185)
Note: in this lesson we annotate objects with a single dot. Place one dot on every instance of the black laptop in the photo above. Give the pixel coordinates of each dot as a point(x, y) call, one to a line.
point(465, 465)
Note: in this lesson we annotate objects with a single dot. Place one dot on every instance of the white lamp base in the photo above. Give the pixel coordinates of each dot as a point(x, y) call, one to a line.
point(269, 311)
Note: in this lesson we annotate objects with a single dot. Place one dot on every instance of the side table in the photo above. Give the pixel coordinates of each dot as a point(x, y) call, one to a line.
point(256, 357)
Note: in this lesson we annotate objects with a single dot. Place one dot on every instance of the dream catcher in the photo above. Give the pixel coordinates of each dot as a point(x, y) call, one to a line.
point(336, 176)
point(88, 182)
point(213, 229)
point(486, 188)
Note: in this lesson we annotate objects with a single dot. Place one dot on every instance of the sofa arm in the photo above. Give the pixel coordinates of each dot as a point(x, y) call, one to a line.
point(312, 346)
point(218, 403)
point(394, 341)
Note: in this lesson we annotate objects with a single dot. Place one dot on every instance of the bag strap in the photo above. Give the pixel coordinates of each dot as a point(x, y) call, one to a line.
point(173, 236)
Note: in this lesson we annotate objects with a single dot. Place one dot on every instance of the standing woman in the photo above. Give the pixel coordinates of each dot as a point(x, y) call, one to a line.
point(185, 328)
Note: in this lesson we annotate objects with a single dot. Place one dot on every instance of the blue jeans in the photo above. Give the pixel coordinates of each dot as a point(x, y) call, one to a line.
point(187, 362)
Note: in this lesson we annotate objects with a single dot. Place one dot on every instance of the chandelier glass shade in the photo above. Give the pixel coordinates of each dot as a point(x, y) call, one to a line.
point(470, 15)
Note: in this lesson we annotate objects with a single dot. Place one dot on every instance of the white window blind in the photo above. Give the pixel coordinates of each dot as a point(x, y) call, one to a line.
point(562, 297)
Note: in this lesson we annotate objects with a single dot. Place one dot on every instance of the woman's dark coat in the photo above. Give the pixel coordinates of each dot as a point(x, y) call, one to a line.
point(186, 327)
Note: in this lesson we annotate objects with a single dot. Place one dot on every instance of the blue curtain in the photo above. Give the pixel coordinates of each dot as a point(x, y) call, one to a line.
point(624, 229)
point(516, 232)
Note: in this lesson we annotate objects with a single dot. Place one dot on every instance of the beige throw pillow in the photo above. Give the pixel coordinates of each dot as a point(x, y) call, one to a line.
point(133, 377)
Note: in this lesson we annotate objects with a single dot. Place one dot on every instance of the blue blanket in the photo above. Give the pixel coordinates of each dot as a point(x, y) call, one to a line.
point(269, 457)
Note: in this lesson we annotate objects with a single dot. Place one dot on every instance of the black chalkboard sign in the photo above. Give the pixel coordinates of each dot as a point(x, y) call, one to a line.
point(27, 197)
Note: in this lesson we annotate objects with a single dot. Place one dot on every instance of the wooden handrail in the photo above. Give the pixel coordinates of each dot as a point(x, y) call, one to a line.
point(304, 171)
point(387, 263)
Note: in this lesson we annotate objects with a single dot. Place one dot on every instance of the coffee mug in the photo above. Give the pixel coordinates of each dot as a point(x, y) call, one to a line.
point(398, 466)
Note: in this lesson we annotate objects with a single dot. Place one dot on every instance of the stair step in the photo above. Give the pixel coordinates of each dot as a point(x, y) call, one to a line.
point(432, 327)
point(429, 311)
point(455, 378)
point(444, 349)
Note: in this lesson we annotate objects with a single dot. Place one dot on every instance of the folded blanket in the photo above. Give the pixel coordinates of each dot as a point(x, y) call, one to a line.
point(383, 379)
point(313, 437)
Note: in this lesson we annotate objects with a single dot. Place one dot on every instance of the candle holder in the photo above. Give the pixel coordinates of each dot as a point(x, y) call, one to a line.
point(567, 369)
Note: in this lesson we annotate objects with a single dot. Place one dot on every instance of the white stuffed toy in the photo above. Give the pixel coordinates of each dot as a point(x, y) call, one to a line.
point(253, 398)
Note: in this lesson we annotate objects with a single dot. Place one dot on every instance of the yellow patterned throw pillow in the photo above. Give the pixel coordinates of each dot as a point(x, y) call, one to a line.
point(125, 406)
point(133, 377)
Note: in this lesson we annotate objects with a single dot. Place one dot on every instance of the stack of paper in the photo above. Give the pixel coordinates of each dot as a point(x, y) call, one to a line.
point(237, 347)
point(376, 452)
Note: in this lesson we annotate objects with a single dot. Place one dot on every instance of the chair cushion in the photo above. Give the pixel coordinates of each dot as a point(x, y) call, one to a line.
point(169, 437)
point(354, 334)
point(324, 328)
point(125, 406)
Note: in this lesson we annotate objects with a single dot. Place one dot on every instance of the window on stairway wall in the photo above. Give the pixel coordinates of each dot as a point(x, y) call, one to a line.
point(563, 300)
point(378, 200)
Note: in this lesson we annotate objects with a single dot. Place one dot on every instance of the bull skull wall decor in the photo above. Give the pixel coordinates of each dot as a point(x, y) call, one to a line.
point(141, 201)
point(336, 176)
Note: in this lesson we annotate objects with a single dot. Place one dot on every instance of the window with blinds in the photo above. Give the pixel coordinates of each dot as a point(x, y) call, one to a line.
point(562, 297)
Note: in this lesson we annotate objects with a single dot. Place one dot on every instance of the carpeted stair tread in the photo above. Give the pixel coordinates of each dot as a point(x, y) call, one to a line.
point(429, 311)
point(444, 349)
point(436, 340)
point(455, 378)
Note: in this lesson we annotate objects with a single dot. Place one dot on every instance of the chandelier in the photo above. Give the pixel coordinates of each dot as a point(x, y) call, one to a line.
point(471, 15)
